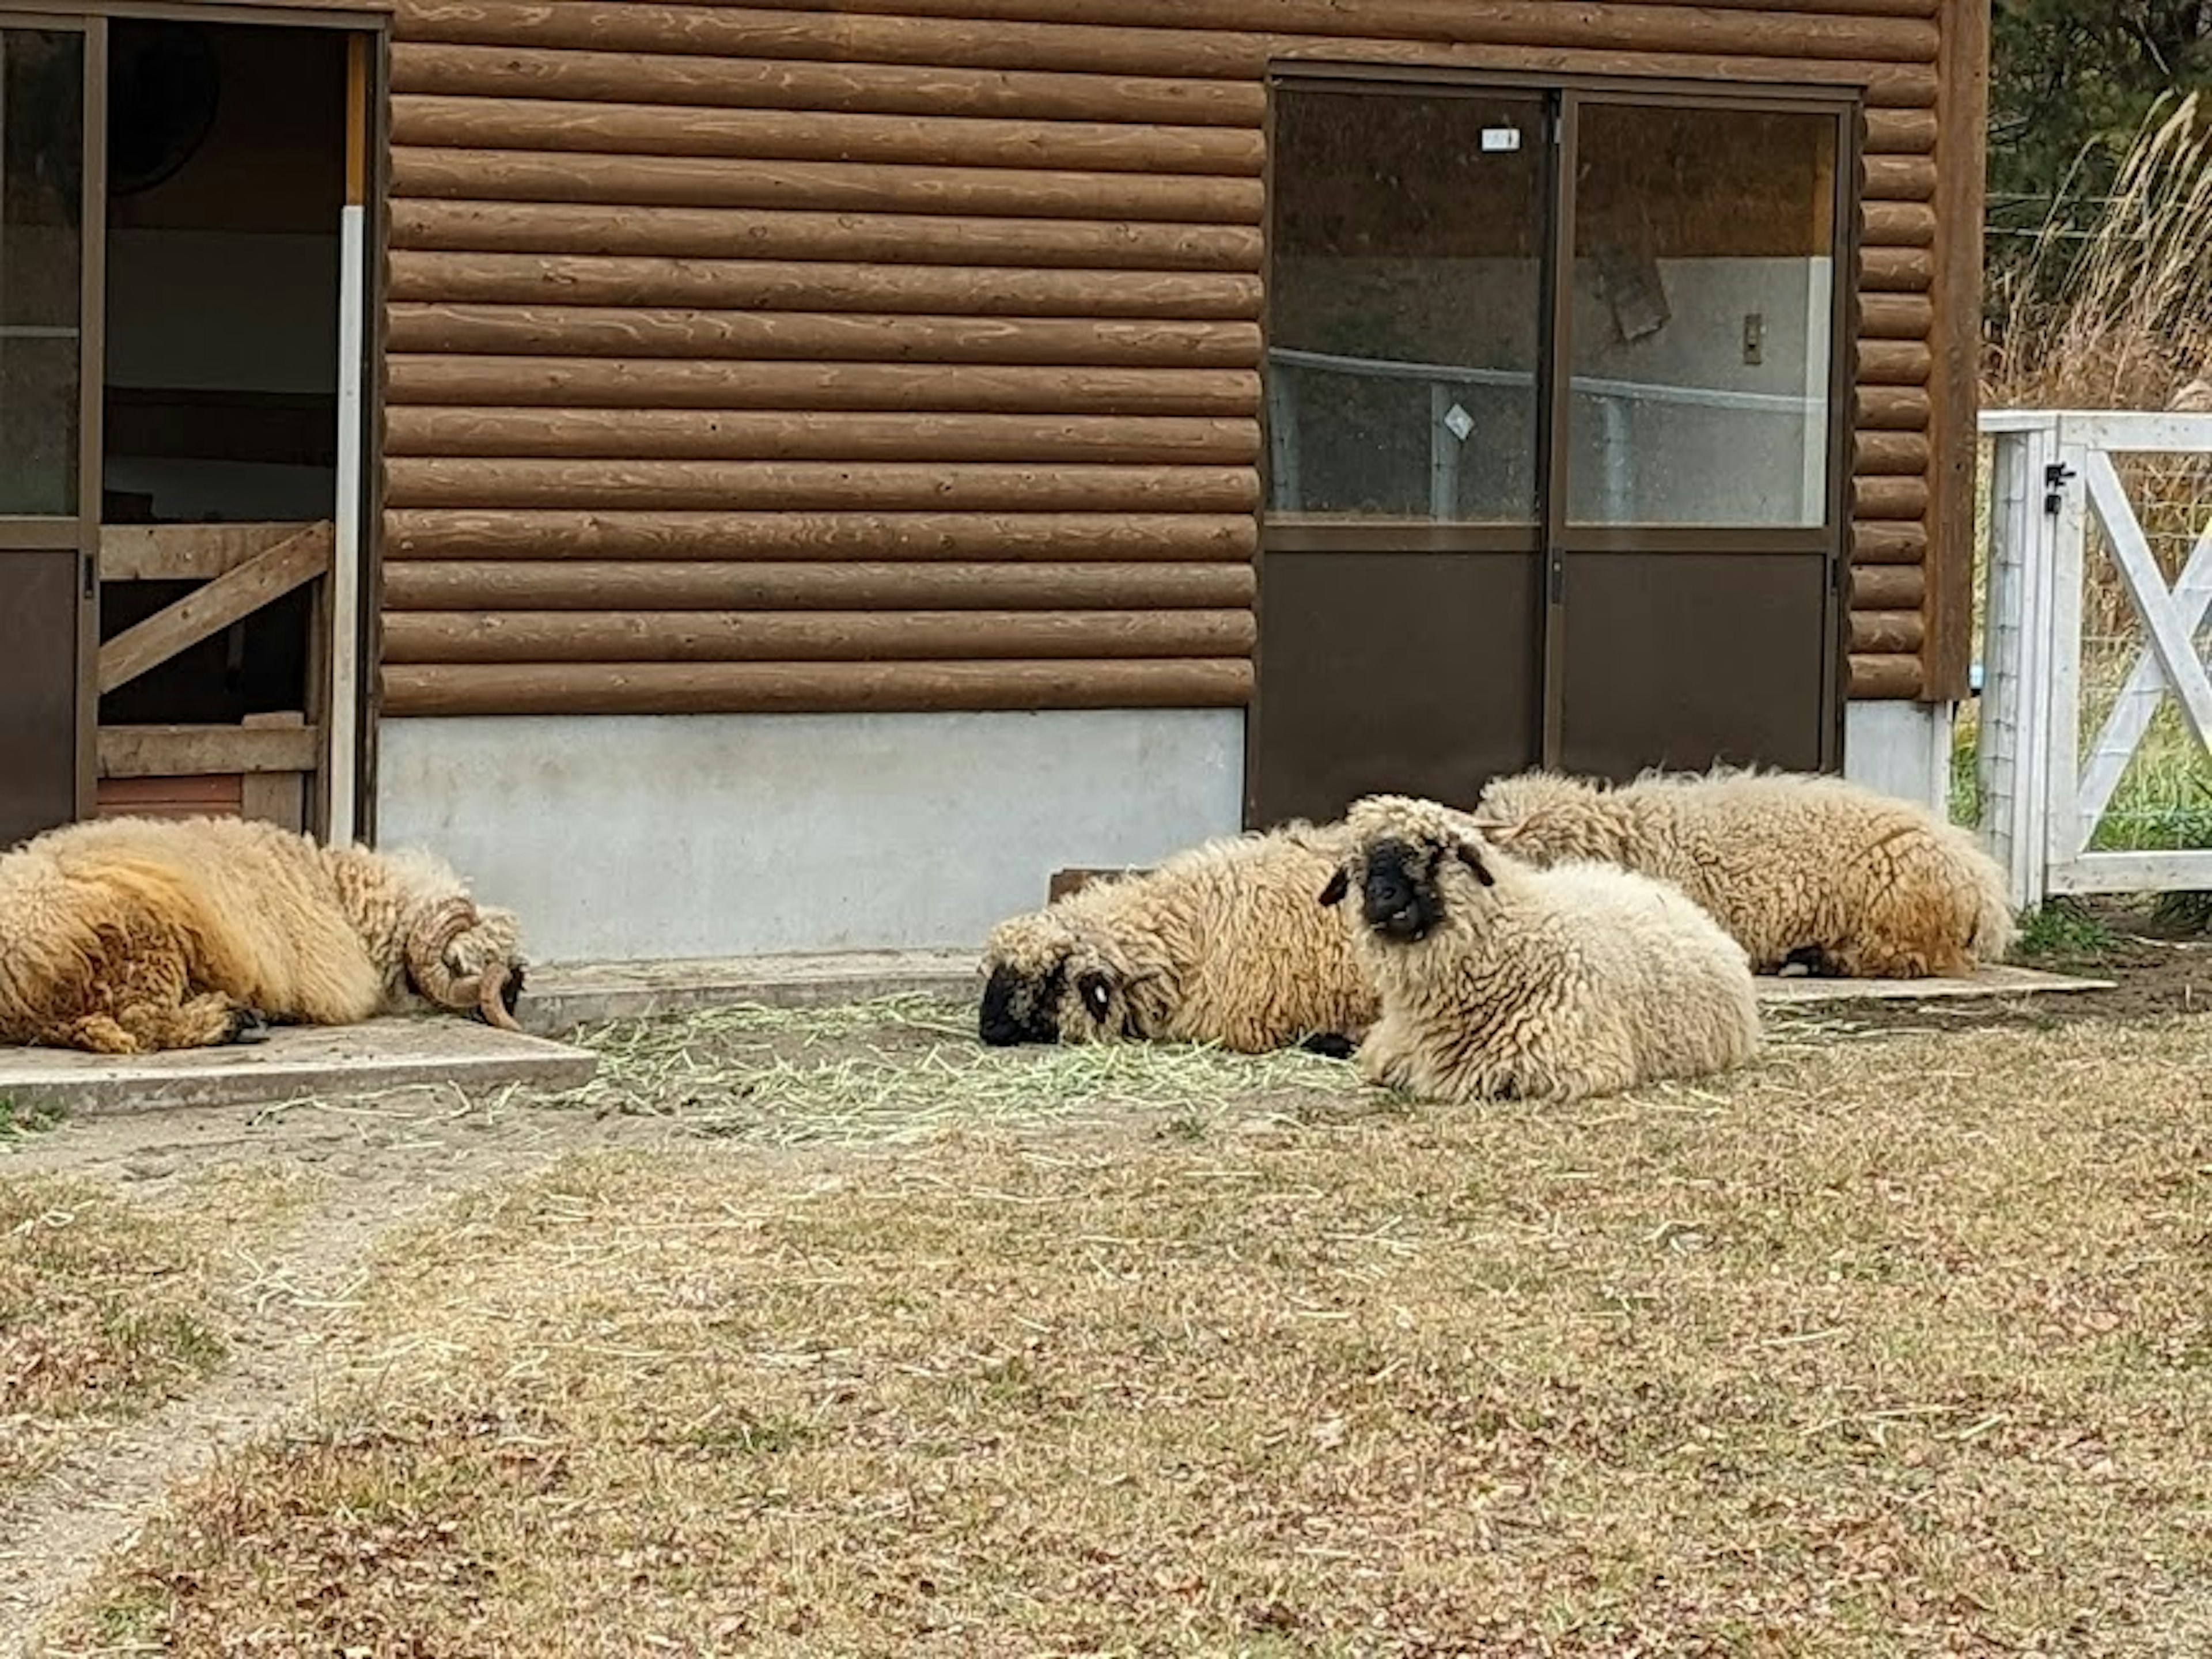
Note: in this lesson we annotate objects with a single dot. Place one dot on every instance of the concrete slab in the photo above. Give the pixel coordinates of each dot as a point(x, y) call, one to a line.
point(560, 998)
point(1999, 981)
point(384, 1054)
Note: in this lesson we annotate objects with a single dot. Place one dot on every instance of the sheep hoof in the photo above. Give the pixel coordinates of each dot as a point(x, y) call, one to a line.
point(1330, 1045)
point(1812, 962)
point(247, 1026)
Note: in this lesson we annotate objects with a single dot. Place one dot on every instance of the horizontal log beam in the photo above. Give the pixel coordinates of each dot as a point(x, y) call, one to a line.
point(1889, 498)
point(1901, 132)
point(822, 687)
point(1892, 408)
point(1892, 543)
point(1896, 52)
point(185, 552)
point(1895, 316)
point(913, 239)
point(1833, 32)
point(505, 71)
point(1896, 270)
point(1894, 363)
point(661, 434)
point(579, 586)
point(559, 636)
point(1897, 224)
point(721, 538)
point(787, 285)
point(185, 751)
point(1887, 586)
point(640, 181)
point(237, 593)
point(1891, 454)
point(607, 332)
point(1887, 632)
point(824, 486)
point(756, 135)
point(979, 388)
point(1885, 677)
point(1899, 179)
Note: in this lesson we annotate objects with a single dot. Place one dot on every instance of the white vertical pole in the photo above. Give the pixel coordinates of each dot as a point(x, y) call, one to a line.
point(2066, 833)
point(345, 668)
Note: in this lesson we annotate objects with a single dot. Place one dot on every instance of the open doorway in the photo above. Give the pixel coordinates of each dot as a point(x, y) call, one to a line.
point(222, 470)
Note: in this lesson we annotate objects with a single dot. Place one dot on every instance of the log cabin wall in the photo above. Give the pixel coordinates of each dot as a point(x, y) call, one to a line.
point(904, 355)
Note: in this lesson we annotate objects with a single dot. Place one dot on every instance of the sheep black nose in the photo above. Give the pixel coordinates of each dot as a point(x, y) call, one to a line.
point(1388, 898)
point(997, 1021)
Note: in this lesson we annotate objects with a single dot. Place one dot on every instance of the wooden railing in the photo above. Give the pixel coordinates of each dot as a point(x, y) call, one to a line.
point(258, 768)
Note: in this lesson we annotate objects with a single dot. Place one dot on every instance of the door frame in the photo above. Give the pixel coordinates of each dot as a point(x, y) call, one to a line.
point(346, 663)
point(80, 530)
point(1554, 538)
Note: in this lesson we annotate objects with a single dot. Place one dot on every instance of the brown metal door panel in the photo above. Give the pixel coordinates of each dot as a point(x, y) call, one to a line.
point(48, 444)
point(1685, 660)
point(1416, 673)
point(39, 597)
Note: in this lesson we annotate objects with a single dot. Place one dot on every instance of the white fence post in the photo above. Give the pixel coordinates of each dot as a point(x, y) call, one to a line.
point(2013, 759)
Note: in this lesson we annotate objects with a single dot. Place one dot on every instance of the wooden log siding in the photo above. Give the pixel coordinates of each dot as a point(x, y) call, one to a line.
point(904, 354)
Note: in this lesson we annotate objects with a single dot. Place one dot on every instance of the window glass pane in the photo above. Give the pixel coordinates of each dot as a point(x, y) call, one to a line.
point(1405, 305)
point(41, 232)
point(1703, 291)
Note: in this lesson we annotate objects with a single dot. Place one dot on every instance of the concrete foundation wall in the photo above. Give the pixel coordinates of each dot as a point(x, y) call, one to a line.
point(1901, 749)
point(700, 836)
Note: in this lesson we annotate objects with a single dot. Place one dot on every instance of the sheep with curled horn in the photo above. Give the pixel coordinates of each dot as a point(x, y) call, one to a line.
point(130, 935)
point(1501, 981)
point(1221, 943)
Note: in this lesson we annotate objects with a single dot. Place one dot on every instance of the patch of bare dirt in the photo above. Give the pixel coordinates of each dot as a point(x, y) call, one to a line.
point(2158, 972)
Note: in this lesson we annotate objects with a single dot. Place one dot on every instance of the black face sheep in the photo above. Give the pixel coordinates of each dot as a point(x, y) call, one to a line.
point(129, 935)
point(1800, 869)
point(1500, 980)
point(1221, 943)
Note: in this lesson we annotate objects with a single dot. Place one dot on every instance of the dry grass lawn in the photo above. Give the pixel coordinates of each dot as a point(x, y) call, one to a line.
point(110, 1304)
point(1886, 1347)
point(103, 1308)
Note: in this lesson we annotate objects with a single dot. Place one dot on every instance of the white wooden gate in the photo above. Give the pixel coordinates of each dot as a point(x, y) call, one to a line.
point(2044, 792)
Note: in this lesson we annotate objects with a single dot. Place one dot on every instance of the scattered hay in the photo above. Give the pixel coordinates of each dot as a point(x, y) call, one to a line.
point(905, 1068)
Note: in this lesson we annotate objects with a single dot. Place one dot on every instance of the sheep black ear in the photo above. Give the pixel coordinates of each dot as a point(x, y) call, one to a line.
point(1339, 885)
point(1471, 856)
point(1097, 995)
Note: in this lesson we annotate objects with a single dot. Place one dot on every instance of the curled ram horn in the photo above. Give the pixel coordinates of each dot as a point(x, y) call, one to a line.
point(427, 943)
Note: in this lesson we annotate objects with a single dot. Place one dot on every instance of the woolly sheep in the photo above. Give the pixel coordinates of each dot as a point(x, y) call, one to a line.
point(1221, 943)
point(1501, 981)
point(1803, 870)
point(130, 935)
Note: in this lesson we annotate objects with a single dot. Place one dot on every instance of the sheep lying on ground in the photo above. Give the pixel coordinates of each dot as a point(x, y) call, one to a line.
point(129, 935)
point(1804, 870)
point(1501, 981)
point(1221, 943)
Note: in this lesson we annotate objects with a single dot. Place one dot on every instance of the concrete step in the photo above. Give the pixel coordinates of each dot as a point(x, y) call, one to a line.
point(561, 998)
point(295, 1061)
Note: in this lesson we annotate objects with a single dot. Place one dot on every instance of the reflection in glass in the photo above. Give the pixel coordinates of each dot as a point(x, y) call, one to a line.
point(1406, 305)
point(1705, 266)
point(41, 175)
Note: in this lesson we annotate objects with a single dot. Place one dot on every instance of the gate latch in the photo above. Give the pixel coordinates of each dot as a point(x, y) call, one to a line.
point(2056, 477)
